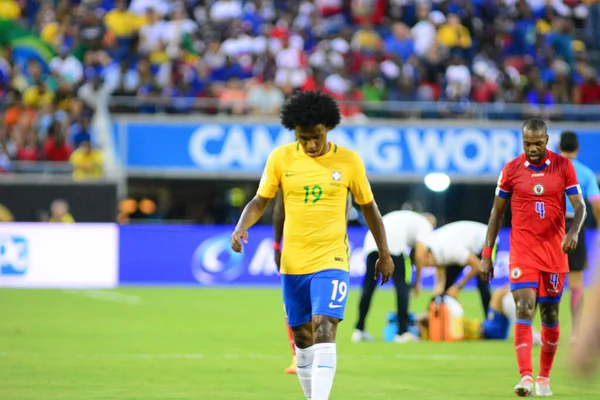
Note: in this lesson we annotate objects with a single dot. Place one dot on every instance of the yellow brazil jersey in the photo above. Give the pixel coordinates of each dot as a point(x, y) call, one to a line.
point(315, 193)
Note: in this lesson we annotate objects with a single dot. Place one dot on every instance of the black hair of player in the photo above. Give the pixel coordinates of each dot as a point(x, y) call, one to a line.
point(308, 109)
point(535, 125)
point(569, 143)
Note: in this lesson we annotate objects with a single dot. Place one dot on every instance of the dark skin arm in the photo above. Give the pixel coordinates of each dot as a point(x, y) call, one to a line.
point(252, 213)
point(569, 243)
point(384, 265)
point(486, 268)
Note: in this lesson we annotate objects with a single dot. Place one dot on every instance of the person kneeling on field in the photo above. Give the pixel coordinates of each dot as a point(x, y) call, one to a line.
point(496, 326)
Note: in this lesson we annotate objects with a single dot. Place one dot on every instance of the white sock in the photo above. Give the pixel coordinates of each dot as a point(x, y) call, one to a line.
point(323, 370)
point(304, 362)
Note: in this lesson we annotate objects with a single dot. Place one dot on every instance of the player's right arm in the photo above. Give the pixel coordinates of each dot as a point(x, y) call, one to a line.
point(254, 210)
point(503, 193)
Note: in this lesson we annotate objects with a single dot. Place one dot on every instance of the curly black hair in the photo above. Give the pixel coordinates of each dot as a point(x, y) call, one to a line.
point(310, 109)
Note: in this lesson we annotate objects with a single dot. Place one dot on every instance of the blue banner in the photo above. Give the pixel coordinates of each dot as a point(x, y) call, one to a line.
point(386, 150)
point(200, 255)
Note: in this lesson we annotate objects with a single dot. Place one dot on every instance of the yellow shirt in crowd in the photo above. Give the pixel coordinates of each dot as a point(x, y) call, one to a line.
point(9, 9)
point(123, 23)
point(451, 36)
point(87, 165)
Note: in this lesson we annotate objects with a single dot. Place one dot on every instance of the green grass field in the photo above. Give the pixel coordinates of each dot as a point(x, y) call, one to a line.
point(185, 343)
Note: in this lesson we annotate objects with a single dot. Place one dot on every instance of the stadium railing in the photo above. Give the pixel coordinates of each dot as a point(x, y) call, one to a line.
point(382, 109)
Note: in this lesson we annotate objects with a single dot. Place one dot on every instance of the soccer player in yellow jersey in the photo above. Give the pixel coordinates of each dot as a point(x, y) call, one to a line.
point(278, 221)
point(315, 177)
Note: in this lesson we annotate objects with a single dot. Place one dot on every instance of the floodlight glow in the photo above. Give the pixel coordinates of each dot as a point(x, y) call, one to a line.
point(437, 182)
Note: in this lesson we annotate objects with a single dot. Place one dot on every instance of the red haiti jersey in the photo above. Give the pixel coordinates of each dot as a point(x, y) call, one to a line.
point(537, 194)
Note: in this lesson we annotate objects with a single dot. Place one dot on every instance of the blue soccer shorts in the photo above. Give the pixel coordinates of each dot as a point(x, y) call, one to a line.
point(496, 327)
point(320, 293)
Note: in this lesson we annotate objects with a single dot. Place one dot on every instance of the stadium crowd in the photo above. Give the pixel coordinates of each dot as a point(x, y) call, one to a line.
point(246, 57)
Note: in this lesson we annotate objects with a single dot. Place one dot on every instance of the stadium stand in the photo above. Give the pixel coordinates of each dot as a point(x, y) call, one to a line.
point(397, 58)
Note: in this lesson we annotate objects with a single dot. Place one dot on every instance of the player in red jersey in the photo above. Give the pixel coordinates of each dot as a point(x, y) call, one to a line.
point(536, 183)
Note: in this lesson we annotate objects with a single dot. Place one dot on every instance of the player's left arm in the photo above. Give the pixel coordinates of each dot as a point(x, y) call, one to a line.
point(363, 195)
point(576, 198)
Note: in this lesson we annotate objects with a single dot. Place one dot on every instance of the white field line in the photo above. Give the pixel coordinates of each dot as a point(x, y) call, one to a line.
point(200, 356)
point(106, 295)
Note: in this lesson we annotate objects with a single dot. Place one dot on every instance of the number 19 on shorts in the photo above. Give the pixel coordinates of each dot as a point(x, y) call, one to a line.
point(340, 290)
point(540, 208)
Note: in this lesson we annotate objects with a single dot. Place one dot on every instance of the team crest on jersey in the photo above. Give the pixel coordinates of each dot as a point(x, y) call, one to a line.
point(516, 273)
point(538, 189)
point(336, 175)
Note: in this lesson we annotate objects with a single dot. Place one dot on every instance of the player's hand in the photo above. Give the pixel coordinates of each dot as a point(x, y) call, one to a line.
point(569, 243)
point(453, 291)
point(486, 270)
point(384, 267)
point(236, 240)
point(278, 259)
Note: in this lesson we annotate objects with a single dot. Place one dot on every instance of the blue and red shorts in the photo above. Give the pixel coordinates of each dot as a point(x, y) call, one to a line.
point(547, 285)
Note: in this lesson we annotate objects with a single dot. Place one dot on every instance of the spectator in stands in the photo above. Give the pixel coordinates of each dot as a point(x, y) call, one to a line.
point(232, 98)
point(225, 10)
point(27, 145)
point(366, 38)
point(5, 159)
point(10, 10)
point(151, 33)
point(424, 32)
point(55, 148)
point(87, 162)
point(265, 98)
point(588, 91)
point(68, 68)
point(400, 43)
point(122, 26)
point(540, 101)
point(59, 212)
point(455, 36)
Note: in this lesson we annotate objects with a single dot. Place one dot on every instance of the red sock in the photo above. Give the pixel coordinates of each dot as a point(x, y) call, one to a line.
point(550, 336)
point(523, 346)
point(291, 338)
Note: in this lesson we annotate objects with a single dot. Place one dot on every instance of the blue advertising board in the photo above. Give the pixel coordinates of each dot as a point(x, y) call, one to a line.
point(386, 150)
point(200, 255)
